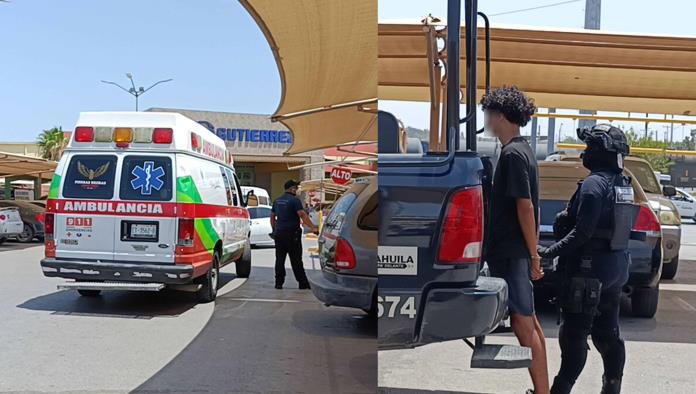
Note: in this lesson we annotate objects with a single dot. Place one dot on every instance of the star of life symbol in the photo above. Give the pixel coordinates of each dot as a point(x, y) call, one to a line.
point(147, 178)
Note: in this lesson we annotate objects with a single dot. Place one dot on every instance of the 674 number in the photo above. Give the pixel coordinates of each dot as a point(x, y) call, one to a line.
point(391, 304)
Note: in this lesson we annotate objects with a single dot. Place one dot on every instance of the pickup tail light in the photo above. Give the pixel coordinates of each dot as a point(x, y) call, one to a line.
point(186, 232)
point(345, 257)
point(647, 221)
point(461, 241)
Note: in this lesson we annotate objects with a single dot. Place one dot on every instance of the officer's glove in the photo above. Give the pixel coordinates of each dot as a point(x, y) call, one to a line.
point(562, 225)
point(543, 251)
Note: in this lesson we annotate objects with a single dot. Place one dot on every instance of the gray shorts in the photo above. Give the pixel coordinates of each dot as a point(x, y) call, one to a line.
point(517, 273)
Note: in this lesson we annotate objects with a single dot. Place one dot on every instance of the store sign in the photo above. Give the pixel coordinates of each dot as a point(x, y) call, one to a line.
point(250, 135)
point(341, 176)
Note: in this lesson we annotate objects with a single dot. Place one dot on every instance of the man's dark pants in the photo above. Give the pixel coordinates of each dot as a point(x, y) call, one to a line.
point(289, 242)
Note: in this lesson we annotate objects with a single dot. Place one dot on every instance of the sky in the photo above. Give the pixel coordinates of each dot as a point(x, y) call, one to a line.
point(53, 53)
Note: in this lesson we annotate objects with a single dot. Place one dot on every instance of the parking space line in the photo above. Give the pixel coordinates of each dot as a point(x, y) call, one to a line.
point(685, 304)
point(677, 287)
point(263, 300)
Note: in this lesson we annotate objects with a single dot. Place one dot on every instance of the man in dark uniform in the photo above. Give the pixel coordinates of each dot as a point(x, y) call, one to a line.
point(286, 213)
point(593, 233)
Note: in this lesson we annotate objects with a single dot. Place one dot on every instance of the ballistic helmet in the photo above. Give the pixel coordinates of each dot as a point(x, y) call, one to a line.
point(605, 137)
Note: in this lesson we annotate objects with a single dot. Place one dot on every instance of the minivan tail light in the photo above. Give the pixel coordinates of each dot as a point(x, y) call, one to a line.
point(647, 221)
point(162, 136)
point(461, 241)
point(345, 257)
point(84, 134)
point(186, 231)
point(49, 220)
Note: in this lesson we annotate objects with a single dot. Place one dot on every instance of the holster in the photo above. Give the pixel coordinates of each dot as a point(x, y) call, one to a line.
point(582, 291)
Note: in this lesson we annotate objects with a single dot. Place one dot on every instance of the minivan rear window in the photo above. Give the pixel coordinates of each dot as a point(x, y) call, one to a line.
point(146, 178)
point(90, 176)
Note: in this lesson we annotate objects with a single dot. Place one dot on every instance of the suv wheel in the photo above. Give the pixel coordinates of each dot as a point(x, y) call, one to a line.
point(243, 265)
point(644, 301)
point(209, 281)
point(27, 234)
point(669, 270)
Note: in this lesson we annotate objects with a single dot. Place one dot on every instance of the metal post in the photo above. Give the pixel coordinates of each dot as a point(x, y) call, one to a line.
point(551, 141)
point(37, 187)
point(453, 86)
point(471, 18)
point(593, 12)
point(533, 136)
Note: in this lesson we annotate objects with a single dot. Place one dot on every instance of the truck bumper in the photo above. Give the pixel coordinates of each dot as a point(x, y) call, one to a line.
point(456, 313)
point(343, 290)
point(117, 272)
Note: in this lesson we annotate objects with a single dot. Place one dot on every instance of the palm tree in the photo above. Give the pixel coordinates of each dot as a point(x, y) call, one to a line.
point(51, 143)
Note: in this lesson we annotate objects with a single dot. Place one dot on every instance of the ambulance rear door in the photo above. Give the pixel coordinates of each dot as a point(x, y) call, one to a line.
point(145, 227)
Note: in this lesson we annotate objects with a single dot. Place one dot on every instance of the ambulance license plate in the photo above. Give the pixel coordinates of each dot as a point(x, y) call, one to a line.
point(143, 230)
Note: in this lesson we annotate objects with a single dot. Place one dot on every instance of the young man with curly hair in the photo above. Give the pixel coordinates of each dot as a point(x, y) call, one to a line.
point(511, 251)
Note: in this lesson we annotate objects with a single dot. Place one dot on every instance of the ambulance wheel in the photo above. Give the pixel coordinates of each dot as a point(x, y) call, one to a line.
point(644, 301)
point(89, 293)
point(244, 262)
point(209, 281)
point(669, 270)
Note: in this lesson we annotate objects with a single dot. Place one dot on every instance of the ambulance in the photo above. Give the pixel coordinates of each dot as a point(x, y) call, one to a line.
point(144, 201)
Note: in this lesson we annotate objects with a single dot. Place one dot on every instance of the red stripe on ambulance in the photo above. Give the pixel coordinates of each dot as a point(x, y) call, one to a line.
point(140, 208)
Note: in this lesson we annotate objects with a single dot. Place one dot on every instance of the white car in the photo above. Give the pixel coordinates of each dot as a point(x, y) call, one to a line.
point(685, 203)
point(260, 225)
point(11, 223)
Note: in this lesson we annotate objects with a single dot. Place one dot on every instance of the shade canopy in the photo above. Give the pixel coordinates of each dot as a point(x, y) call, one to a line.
point(578, 69)
point(326, 52)
point(19, 165)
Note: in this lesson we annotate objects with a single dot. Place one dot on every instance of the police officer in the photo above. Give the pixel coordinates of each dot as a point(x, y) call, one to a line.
point(593, 233)
point(286, 213)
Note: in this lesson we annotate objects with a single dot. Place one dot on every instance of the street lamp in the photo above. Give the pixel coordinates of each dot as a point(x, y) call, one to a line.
point(133, 91)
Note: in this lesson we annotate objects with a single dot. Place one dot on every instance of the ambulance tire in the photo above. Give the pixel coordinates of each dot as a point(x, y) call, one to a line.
point(209, 281)
point(89, 293)
point(243, 265)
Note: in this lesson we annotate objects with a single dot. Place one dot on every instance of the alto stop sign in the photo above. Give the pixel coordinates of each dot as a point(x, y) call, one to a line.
point(341, 175)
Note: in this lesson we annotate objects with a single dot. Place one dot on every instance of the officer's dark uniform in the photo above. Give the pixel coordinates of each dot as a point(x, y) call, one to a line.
point(593, 235)
point(288, 238)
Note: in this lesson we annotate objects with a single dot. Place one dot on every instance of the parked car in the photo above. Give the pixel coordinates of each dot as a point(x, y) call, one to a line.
point(11, 224)
point(558, 181)
point(33, 218)
point(659, 197)
point(260, 217)
point(685, 203)
point(348, 250)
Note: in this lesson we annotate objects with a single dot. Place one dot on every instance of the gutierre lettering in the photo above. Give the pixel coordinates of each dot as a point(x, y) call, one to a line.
point(112, 207)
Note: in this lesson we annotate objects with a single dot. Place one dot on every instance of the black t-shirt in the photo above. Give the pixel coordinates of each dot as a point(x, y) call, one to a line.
point(285, 208)
point(516, 176)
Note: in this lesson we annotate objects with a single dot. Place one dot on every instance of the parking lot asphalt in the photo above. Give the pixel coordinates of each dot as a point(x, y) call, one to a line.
point(659, 350)
point(253, 339)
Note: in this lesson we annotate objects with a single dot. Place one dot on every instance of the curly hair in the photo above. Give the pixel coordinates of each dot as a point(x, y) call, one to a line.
point(511, 102)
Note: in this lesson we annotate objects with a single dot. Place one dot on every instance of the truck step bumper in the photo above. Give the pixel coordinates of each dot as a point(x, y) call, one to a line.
point(111, 286)
point(501, 357)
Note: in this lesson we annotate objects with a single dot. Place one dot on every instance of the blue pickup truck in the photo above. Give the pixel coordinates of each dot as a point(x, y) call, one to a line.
point(433, 208)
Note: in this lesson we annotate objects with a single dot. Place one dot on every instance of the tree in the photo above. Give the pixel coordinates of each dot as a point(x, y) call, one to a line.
point(52, 142)
point(658, 161)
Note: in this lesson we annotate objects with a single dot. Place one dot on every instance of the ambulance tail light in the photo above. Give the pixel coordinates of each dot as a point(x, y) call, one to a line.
point(647, 221)
point(84, 134)
point(162, 136)
point(345, 257)
point(461, 241)
point(186, 231)
point(49, 220)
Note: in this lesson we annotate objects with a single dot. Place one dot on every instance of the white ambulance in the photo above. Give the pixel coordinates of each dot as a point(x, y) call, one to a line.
point(144, 200)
